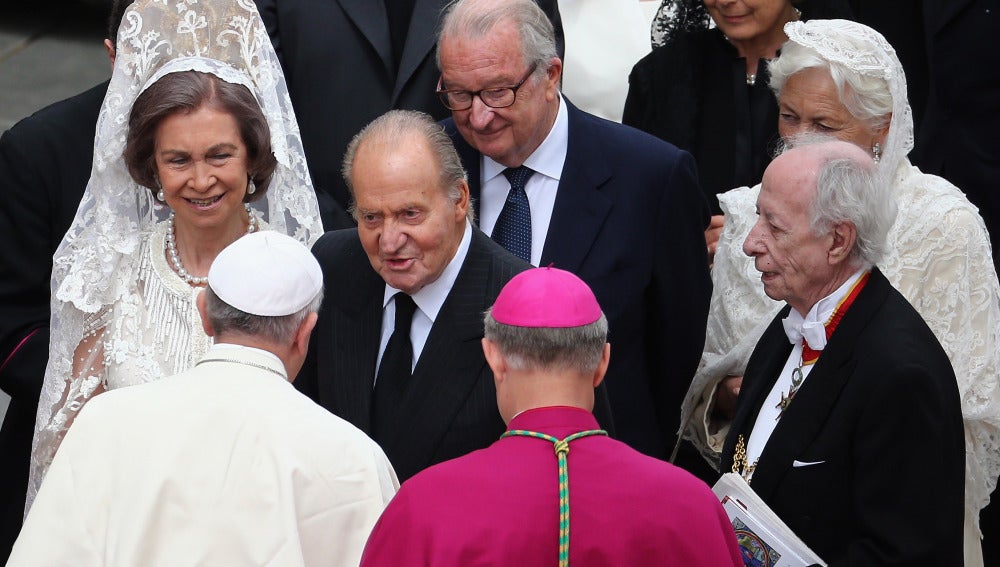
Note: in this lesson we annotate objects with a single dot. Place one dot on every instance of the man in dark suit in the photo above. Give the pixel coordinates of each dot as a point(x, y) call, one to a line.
point(617, 207)
point(957, 139)
point(347, 62)
point(45, 163)
point(414, 246)
point(848, 424)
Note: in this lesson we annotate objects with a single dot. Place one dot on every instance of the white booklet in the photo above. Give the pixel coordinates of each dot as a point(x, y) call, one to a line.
point(765, 541)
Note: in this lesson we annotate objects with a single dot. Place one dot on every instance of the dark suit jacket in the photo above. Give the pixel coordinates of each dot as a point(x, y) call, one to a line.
point(902, 24)
point(881, 414)
point(338, 62)
point(629, 220)
point(450, 407)
point(957, 139)
point(45, 163)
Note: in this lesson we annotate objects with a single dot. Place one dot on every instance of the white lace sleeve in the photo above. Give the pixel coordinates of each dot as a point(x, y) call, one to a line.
point(85, 381)
point(737, 316)
point(942, 263)
point(71, 378)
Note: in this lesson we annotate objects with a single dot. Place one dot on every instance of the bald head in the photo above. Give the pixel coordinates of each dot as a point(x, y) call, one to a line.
point(822, 215)
point(824, 148)
point(846, 188)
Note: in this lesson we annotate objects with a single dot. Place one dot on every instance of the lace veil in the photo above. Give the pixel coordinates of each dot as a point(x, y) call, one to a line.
point(863, 51)
point(96, 262)
point(678, 16)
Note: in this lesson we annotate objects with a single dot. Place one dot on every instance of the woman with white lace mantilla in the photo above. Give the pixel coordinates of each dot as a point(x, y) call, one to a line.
point(842, 78)
point(196, 146)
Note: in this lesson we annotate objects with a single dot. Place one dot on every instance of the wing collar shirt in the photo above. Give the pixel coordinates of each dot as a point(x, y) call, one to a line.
point(429, 300)
point(547, 162)
point(768, 417)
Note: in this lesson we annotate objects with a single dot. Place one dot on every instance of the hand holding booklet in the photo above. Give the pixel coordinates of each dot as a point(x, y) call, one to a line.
point(765, 541)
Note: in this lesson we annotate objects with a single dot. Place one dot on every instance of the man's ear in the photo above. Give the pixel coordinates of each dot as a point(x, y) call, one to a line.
point(109, 46)
point(602, 366)
point(496, 361)
point(203, 311)
point(553, 78)
point(845, 234)
point(300, 344)
point(463, 203)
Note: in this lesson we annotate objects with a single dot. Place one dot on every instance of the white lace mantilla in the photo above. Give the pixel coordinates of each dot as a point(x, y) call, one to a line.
point(119, 316)
point(939, 259)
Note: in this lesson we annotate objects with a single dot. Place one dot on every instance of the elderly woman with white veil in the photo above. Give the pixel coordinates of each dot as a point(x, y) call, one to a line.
point(843, 79)
point(196, 146)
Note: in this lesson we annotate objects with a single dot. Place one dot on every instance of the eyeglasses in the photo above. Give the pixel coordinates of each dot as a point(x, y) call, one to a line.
point(498, 97)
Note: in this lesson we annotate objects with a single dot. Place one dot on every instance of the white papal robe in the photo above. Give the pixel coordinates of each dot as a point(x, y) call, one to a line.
point(225, 464)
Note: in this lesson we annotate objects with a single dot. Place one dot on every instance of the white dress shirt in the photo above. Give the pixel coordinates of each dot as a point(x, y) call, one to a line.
point(547, 161)
point(767, 418)
point(429, 300)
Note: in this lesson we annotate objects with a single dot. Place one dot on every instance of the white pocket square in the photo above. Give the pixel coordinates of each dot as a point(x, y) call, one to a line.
point(797, 464)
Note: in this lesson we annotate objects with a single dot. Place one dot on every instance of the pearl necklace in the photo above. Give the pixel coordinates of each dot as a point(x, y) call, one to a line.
point(175, 258)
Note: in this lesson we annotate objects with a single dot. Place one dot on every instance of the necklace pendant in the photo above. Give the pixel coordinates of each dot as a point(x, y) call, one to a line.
point(784, 403)
point(787, 400)
point(751, 79)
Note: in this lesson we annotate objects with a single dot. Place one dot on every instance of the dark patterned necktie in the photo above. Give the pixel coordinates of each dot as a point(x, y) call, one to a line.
point(395, 369)
point(513, 228)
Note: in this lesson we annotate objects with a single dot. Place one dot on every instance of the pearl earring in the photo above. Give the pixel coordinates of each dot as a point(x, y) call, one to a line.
point(159, 194)
point(251, 186)
point(877, 152)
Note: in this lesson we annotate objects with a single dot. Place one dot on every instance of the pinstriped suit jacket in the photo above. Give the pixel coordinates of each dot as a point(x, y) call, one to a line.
point(450, 407)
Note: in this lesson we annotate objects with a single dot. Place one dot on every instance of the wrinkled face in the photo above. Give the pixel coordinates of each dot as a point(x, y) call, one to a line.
point(508, 135)
point(809, 104)
point(201, 164)
point(792, 260)
point(408, 225)
point(743, 20)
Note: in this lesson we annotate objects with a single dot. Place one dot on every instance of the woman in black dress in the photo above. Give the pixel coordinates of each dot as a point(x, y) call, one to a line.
point(705, 89)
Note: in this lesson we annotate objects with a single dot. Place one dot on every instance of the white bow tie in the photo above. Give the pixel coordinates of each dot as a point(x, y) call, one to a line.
point(814, 332)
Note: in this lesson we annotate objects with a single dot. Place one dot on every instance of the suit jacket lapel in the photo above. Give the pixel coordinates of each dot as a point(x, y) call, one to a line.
point(472, 160)
point(370, 17)
point(451, 362)
point(580, 208)
point(805, 417)
point(355, 345)
point(765, 364)
point(421, 39)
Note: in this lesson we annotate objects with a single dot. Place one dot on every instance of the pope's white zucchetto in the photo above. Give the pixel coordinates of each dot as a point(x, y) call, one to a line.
point(267, 274)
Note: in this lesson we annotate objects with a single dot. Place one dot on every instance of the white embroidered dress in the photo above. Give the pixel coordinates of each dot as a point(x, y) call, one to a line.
point(155, 331)
point(120, 316)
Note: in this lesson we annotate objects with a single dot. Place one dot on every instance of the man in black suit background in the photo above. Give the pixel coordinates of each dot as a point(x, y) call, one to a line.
point(45, 162)
point(848, 423)
point(957, 139)
point(347, 62)
point(419, 385)
point(617, 207)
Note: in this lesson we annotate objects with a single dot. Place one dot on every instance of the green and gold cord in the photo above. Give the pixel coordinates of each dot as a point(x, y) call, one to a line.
point(562, 451)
